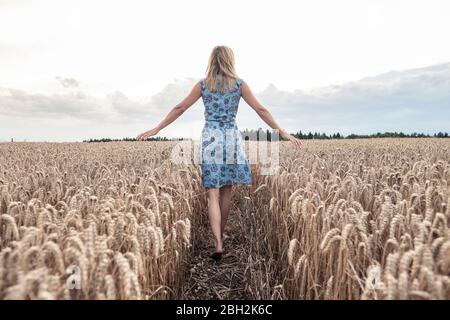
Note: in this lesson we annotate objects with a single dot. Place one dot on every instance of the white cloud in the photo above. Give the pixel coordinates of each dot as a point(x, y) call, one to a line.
point(410, 100)
point(114, 115)
point(137, 46)
point(68, 82)
point(18, 103)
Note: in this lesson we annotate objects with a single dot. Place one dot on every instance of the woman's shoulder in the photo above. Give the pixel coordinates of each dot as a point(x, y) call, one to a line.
point(239, 82)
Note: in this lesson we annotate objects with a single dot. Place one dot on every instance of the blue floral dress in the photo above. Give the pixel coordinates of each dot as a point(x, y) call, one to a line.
point(222, 159)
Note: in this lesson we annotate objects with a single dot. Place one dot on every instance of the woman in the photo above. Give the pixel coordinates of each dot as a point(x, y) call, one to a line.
point(223, 160)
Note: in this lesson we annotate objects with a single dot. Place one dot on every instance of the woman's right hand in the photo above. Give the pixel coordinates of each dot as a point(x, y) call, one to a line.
point(296, 142)
point(147, 134)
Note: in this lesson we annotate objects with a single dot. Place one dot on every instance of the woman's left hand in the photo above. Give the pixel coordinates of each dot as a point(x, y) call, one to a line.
point(296, 142)
point(146, 134)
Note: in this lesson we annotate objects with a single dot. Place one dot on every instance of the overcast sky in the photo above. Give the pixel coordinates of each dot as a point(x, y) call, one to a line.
point(71, 70)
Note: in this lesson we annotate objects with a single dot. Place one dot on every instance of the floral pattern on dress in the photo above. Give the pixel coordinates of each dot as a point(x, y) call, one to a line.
point(222, 154)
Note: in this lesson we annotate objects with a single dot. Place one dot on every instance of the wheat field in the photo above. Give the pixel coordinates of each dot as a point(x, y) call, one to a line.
point(340, 219)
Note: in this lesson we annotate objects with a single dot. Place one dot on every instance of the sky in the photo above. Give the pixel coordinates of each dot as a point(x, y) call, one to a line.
point(74, 70)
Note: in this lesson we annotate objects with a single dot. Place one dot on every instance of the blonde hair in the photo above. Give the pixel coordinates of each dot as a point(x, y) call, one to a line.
point(220, 74)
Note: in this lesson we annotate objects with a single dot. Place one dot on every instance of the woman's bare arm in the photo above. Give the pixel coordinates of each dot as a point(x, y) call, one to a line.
point(177, 111)
point(264, 114)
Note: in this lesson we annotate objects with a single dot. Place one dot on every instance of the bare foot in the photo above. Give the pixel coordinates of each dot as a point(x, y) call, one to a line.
point(216, 255)
point(218, 244)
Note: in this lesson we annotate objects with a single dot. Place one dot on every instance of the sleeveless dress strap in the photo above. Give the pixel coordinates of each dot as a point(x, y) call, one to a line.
point(239, 84)
point(202, 84)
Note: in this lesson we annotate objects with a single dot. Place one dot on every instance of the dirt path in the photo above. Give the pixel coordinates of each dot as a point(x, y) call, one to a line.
point(208, 279)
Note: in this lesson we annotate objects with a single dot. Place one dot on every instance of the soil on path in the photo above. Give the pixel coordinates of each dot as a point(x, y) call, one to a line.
point(223, 279)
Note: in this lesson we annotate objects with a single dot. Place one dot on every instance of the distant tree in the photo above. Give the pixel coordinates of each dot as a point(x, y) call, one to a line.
point(268, 135)
point(299, 135)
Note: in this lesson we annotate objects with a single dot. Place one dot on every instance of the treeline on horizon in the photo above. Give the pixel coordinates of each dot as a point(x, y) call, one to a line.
point(157, 138)
point(249, 134)
point(267, 134)
point(316, 135)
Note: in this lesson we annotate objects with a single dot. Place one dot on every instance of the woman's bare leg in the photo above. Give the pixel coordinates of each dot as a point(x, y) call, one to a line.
point(225, 205)
point(215, 217)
